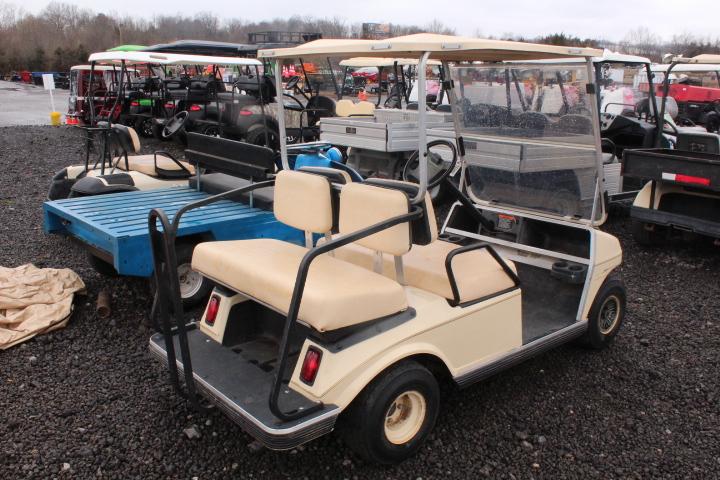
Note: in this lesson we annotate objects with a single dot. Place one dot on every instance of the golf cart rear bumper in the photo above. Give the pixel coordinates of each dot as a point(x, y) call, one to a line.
point(674, 220)
point(263, 426)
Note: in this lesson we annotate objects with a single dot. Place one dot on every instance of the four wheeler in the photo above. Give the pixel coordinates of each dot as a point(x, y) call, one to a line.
point(682, 196)
point(695, 88)
point(356, 329)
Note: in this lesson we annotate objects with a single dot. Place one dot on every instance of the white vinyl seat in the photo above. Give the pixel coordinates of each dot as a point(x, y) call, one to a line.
point(146, 164)
point(346, 108)
point(476, 272)
point(337, 293)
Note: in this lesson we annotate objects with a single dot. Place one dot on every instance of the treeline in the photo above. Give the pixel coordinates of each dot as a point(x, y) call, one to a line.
point(62, 35)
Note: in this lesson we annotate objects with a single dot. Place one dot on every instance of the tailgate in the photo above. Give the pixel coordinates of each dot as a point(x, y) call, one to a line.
point(696, 169)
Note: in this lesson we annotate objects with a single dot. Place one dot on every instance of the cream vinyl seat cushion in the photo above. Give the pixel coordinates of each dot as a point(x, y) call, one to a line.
point(477, 274)
point(346, 108)
point(146, 164)
point(337, 294)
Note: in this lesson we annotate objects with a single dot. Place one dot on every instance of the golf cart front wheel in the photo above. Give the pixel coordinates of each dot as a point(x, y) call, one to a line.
point(606, 314)
point(388, 422)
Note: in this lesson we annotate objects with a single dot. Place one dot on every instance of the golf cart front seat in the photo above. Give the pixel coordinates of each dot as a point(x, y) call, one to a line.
point(158, 164)
point(337, 294)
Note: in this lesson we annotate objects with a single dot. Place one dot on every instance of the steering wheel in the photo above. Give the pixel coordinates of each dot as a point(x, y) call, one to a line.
point(438, 169)
point(175, 124)
point(292, 82)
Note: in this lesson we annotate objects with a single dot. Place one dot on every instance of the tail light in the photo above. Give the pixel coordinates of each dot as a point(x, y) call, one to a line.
point(195, 108)
point(310, 365)
point(677, 177)
point(212, 310)
point(245, 113)
point(169, 105)
point(134, 103)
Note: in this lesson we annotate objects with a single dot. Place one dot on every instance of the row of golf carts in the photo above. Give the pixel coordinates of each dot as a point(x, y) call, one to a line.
point(337, 297)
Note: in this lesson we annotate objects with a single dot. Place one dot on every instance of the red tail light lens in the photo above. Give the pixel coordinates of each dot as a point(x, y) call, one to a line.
point(691, 179)
point(169, 105)
point(195, 108)
point(134, 103)
point(212, 310)
point(310, 365)
point(245, 113)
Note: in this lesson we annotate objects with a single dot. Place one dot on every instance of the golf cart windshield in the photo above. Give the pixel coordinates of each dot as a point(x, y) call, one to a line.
point(530, 136)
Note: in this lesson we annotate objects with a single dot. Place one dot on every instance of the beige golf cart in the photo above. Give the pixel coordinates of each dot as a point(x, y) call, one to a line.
point(357, 328)
point(682, 195)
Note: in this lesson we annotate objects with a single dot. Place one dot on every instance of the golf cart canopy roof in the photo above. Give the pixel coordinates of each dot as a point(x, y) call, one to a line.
point(97, 67)
point(706, 58)
point(689, 67)
point(170, 59)
point(442, 47)
point(361, 62)
point(607, 56)
point(206, 47)
point(128, 48)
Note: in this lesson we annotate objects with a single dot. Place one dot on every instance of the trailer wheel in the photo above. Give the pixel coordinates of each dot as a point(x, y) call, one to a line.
point(644, 236)
point(101, 266)
point(194, 288)
point(388, 422)
point(606, 313)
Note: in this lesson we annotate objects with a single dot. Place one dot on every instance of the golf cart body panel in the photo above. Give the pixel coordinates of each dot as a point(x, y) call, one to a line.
point(471, 317)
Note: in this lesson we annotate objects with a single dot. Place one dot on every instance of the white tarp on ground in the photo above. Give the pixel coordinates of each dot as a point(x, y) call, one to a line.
point(34, 300)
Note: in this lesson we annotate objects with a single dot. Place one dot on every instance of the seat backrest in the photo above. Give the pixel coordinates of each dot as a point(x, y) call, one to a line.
point(344, 108)
point(127, 137)
point(424, 230)
point(363, 205)
point(232, 157)
point(304, 201)
point(364, 108)
point(696, 141)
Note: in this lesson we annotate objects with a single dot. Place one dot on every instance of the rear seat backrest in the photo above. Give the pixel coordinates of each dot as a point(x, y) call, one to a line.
point(364, 205)
point(303, 201)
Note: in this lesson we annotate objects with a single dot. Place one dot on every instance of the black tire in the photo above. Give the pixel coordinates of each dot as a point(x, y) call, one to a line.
point(197, 295)
point(606, 313)
point(256, 136)
point(646, 237)
point(363, 425)
point(101, 266)
point(713, 124)
point(144, 127)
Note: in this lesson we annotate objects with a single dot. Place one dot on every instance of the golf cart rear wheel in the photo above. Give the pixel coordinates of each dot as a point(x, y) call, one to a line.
point(144, 127)
point(606, 314)
point(646, 234)
point(388, 422)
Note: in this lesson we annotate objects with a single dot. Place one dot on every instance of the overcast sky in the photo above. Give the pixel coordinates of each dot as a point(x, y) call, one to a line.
point(609, 19)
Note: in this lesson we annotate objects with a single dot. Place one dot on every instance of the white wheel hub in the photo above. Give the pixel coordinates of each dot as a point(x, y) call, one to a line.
point(190, 280)
point(405, 417)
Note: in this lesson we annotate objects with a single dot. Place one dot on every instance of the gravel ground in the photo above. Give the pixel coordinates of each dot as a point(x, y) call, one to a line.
point(88, 401)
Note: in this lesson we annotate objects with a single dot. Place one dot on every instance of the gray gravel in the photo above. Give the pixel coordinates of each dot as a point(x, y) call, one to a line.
point(88, 401)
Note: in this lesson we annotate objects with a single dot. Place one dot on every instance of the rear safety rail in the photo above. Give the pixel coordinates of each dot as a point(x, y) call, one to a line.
point(167, 310)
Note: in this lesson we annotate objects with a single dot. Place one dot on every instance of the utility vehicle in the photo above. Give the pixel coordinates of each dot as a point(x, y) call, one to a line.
point(357, 328)
point(695, 88)
point(682, 196)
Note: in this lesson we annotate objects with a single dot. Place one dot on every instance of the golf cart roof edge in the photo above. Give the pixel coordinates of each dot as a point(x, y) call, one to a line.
point(361, 62)
point(170, 58)
point(442, 47)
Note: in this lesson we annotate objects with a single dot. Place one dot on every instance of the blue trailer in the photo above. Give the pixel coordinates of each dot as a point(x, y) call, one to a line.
point(113, 227)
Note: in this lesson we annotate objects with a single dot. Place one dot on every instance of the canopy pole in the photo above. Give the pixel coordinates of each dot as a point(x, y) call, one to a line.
point(422, 132)
point(600, 178)
point(281, 114)
point(454, 105)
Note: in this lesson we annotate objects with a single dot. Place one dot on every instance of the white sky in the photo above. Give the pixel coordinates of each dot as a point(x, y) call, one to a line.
point(609, 19)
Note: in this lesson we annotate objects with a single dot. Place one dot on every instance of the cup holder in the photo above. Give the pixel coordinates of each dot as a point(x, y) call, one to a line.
point(569, 272)
point(451, 238)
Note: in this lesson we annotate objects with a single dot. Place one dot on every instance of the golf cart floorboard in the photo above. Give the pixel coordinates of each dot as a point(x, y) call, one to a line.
point(239, 383)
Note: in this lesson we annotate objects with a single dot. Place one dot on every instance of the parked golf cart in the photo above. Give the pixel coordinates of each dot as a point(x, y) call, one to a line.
point(89, 87)
point(682, 196)
point(695, 88)
point(356, 329)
